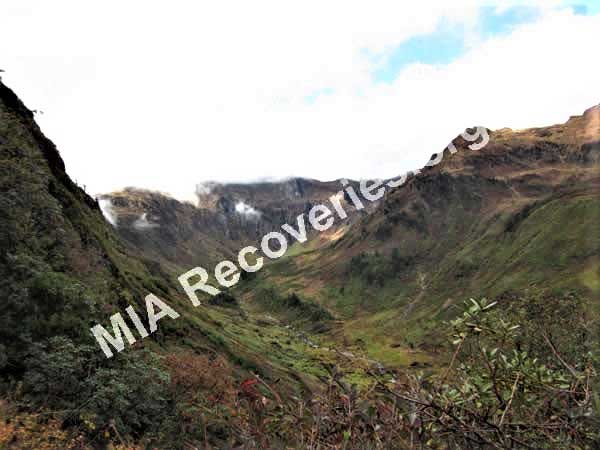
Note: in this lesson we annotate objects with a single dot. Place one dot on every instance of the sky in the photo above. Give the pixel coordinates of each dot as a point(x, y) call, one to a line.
point(166, 95)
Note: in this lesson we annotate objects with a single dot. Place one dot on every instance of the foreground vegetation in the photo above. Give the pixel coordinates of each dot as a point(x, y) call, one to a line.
point(511, 383)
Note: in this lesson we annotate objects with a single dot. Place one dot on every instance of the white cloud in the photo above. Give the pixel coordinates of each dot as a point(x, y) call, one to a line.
point(108, 211)
point(166, 95)
point(205, 188)
point(142, 223)
point(246, 210)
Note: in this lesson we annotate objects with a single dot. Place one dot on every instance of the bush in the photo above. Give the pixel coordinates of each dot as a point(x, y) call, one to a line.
point(128, 393)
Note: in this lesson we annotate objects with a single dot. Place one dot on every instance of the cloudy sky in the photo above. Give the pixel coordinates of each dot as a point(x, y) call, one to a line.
point(164, 95)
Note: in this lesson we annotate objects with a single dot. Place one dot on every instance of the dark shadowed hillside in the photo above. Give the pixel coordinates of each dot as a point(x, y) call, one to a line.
point(227, 217)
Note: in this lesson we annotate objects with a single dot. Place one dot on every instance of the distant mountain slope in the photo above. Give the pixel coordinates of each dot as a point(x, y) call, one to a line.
point(520, 215)
point(227, 217)
point(177, 234)
point(517, 215)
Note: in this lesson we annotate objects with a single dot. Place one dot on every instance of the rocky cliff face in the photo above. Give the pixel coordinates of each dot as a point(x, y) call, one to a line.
point(226, 218)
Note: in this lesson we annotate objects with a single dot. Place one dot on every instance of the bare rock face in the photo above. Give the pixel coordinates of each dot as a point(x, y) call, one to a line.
point(594, 111)
point(225, 218)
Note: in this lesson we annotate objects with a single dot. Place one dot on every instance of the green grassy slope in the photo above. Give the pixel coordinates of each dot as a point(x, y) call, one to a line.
point(519, 216)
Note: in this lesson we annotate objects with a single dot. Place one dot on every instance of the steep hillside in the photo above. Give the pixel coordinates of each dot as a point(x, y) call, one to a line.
point(177, 234)
point(518, 216)
point(64, 269)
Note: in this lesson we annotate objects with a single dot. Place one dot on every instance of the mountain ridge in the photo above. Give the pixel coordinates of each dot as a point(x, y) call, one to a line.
point(454, 230)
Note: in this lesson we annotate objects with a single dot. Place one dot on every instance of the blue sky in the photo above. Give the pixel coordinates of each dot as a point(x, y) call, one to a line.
point(312, 97)
point(449, 41)
point(589, 7)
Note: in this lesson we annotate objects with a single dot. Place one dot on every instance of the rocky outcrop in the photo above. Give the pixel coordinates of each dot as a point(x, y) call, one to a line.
point(226, 217)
